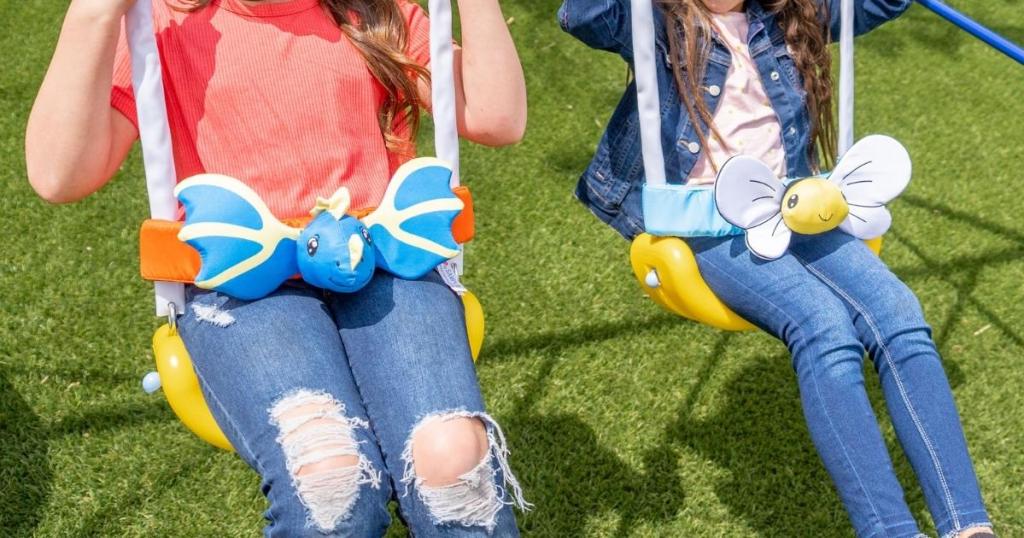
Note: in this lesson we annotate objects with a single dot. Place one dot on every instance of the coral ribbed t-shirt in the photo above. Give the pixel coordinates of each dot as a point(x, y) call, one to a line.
point(275, 95)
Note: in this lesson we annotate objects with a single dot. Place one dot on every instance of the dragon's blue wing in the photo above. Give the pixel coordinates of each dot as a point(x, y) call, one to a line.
point(245, 251)
point(412, 228)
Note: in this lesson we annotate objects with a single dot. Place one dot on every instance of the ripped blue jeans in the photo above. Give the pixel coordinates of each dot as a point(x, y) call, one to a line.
point(322, 393)
point(829, 299)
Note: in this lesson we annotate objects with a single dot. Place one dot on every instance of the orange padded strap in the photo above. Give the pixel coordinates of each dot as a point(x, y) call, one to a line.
point(163, 257)
point(464, 225)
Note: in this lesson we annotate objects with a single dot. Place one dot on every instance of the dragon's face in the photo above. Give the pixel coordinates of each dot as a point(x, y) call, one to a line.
point(813, 205)
point(336, 254)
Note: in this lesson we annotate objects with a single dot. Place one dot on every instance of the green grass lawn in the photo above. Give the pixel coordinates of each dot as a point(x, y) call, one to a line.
point(623, 420)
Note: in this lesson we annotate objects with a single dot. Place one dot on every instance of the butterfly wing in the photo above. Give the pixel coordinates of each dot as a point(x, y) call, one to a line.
point(867, 222)
point(749, 196)
point(747, 193)
point(770, 239)
point(871, 174)
point(411, 229)
point(245, 251)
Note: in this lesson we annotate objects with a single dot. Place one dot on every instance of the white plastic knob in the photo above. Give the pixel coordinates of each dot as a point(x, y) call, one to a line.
point(151, 382)
point(651, 279)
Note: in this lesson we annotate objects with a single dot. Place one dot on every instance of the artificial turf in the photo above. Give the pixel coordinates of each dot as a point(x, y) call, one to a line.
point(623, 420)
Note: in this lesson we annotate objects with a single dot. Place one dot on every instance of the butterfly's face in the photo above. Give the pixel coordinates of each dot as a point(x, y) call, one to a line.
point(336, 254)
point(813, 206)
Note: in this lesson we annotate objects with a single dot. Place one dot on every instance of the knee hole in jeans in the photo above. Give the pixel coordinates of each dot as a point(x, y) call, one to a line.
point(451, 459)
point(444, 450)
point(322, 455)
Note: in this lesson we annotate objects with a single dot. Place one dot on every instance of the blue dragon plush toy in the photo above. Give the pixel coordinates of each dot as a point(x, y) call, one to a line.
point(247, 253)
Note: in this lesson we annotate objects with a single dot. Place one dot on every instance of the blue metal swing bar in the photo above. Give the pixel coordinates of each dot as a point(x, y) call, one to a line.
point(972, 27)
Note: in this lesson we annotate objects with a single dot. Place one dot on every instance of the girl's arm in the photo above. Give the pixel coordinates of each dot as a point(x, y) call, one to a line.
point(490, 89)
point(867, 14)
point(75, 141)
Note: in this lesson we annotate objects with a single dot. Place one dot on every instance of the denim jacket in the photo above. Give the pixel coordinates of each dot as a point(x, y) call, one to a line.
point(611, 185)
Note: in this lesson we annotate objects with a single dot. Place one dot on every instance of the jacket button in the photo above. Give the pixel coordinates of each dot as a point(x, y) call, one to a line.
point(775, 75)
point(714, 90)
point(693, 147)
point(792, 130)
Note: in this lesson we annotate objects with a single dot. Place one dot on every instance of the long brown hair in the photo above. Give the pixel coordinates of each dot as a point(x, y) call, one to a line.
point(378, 30)
point(806, 33)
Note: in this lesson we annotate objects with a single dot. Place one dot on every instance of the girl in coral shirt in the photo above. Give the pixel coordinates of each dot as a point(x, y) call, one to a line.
point(340, 401)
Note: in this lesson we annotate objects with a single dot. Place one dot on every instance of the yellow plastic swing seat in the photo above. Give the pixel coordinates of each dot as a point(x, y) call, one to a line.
point(667, 271)
point(181, 385)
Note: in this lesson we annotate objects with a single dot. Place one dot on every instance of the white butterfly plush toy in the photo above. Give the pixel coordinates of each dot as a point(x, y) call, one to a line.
point(853, 197)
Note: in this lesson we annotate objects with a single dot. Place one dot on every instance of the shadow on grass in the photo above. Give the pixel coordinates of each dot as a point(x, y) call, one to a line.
point(552, 342)
point(562, 458)
point(26, 476)
point(771, 475)
point(112, 417)
point(964, 217)
point(962, 273)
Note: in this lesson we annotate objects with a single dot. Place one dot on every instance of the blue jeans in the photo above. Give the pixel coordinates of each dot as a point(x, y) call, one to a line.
point(830, 299)
point(303, 378)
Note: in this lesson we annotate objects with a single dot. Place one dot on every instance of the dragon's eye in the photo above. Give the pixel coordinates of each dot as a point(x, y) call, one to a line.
point(793, 200)
point(366, 235)
point(312, 245)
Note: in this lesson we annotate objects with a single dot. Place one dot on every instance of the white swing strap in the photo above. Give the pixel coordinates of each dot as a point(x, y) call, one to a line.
point(155, 133)
point(846, 77)
point(648, 101)
point(442, 95)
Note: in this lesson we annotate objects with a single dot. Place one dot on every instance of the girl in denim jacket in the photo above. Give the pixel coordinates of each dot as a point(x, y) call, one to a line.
point(754, 78)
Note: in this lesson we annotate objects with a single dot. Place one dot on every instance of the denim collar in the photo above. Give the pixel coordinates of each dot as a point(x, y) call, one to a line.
point(756, 11)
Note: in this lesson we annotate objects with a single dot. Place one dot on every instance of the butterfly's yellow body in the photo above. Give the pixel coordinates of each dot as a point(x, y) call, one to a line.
point(813, 206)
